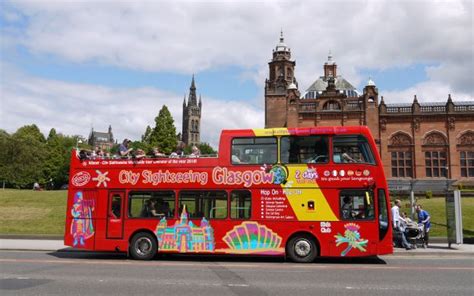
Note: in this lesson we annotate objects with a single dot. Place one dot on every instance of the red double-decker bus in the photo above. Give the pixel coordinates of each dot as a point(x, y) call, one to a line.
point(299, 192)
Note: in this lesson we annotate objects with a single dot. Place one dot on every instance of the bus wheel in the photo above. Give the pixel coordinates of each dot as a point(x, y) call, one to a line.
point(302, 249)
point(143, 246)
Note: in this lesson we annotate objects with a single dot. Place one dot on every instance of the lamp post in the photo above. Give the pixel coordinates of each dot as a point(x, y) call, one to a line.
point(447, 179)
point(78, 141)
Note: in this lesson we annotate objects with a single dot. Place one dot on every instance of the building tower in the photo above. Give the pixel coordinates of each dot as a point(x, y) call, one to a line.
point(281, 77)
point(192, 118)
point(101, 139)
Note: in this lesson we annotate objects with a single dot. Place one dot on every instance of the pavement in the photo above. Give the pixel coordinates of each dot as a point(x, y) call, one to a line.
point(440, 249)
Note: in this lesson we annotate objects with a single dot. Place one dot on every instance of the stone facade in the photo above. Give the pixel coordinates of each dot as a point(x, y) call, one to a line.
point(428, 141)
point(191, 133)
point(100, 139)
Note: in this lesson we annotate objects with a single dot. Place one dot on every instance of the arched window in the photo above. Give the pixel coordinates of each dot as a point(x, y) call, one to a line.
point(436, 158)
point(401, 149)
point(331, 105)
point(465, 146)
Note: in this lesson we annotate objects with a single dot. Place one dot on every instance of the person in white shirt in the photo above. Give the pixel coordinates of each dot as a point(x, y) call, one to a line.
point(397, 224)
point(396, 214)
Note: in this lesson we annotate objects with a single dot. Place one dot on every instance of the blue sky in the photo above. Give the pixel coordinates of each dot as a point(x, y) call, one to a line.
point(120, 62)
point(224, 82)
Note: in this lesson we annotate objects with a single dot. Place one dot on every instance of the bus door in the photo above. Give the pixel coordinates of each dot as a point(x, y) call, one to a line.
point(115, 211)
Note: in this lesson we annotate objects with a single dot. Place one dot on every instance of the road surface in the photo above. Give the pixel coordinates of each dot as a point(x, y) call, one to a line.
point(80, 273)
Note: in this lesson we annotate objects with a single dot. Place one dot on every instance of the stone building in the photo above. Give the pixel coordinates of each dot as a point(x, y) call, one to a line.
point(416, 141)
point(191, 133)
point(100, 139)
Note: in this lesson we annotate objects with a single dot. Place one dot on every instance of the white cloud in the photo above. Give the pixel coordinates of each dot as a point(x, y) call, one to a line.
point(425, 92)
point(190, 36)
point(73, 108)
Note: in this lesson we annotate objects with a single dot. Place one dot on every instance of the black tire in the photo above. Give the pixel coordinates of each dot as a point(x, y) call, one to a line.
point(143, 246)
point(302, 249)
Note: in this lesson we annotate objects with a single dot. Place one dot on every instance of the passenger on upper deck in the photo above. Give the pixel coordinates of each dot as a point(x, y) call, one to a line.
point(235, 156)
point(157, 153)
point(179, 152)
point(347, 158)
point(100, 154)
point(138, 154)
point(124, 151)
point(195, 152)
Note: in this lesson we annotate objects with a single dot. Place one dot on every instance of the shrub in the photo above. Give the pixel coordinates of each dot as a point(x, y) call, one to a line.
point(428, 194)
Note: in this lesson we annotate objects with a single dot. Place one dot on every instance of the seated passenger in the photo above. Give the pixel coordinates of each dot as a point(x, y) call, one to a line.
point(116, 209)
point(246, 158)
point(157, 153)
point(347, 158)
point(179, 152)
point(156, 208)
point(236, 156)
point(195, 152)
point(166, 209)
point(346, 208)
point(146, 209)
point(139, 154)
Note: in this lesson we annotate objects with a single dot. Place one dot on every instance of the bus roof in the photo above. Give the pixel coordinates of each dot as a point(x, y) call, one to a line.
point(300, 131)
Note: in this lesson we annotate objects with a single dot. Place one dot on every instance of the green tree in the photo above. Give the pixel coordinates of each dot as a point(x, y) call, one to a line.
point(206, 149)
point(27, 157)
point(22, 157)
point(164, 133)
point(146, 135)
point(5, 172)
point(56, 165)
point(30, 131)
point(52, 134)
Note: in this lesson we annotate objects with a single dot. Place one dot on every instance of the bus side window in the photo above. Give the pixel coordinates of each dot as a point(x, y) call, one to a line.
point(240, 204)
point(256, 150)
point(352, 149)
point(116, 207)
point(151, 204)
point(304, 149)
point(357, 205)
point(383, 214)
point(208, 204)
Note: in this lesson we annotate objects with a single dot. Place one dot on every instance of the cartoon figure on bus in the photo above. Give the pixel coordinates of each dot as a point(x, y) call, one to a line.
point(81, 225)
point(352, 238)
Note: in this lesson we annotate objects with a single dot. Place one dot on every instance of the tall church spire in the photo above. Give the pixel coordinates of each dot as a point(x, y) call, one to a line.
point(191, 134)
point(192, 101)
point(193, 85)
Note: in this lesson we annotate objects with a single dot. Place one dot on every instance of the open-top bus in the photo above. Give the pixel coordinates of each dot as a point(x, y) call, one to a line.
point(298, 192)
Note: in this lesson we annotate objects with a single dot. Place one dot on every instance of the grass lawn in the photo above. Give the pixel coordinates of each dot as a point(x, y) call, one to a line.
point(436, 208)
point(32, 212)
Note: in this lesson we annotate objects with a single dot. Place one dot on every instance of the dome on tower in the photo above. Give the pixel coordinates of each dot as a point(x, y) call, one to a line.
point(370, 82)
point(281, 46)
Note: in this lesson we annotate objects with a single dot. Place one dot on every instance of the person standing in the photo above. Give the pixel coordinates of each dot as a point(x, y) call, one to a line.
point(397, 224)
point(424, 218)
point(396, 214)
point(124, 151)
